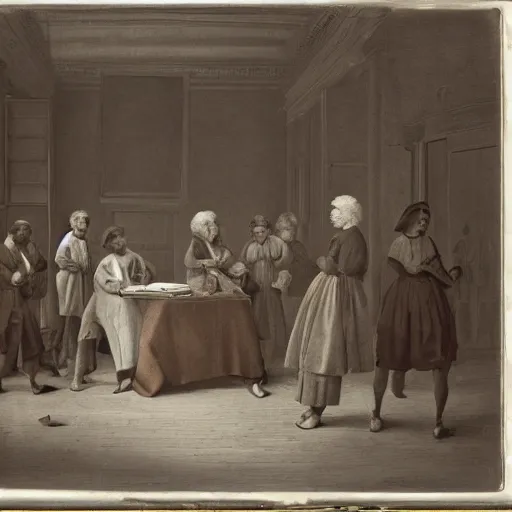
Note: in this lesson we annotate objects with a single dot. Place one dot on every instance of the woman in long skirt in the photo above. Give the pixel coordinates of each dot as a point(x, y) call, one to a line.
point(330, 337)
point(416, 328)
point(267, 257)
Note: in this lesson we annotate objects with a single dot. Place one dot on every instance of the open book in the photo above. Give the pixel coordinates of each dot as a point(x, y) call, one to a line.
point(155, 290)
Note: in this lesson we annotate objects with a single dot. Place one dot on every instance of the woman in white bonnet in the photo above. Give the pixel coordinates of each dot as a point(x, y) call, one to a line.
point(330, 335)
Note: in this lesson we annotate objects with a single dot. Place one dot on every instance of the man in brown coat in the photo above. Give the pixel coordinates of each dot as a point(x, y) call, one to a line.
point(22, 277)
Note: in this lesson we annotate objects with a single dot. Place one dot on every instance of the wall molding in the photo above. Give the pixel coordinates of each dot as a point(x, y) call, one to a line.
point(209, 83)
point(471, 116)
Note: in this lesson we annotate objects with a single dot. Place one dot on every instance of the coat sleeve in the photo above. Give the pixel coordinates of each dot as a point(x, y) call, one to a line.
point(5, 277)
point(63, 257)
point(41, 264)
point(105, 280)
point(227, 259)
point(191, 260)
point(329, 263)
point(285, 258)
point(150, 276)
point(243, 254)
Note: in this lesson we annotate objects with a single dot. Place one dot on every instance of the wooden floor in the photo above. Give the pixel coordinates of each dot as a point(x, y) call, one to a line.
point(219, 438)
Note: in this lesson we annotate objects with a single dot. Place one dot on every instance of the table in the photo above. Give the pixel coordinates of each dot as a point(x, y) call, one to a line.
point(192, 339)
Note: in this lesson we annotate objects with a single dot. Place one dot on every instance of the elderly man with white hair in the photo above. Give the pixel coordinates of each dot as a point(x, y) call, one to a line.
point(211, 266)
point(74, 287)
point(330, 336)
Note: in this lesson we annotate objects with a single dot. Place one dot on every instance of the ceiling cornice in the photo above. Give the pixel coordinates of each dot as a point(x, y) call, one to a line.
point(340, 51)
point(80, 73)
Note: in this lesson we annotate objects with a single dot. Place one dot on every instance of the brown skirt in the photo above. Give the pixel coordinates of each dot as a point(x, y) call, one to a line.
point(315, 390)
point(416, 328)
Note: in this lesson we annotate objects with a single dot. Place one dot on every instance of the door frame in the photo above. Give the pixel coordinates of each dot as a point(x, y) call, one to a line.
point(454, 123)
point(470, 127)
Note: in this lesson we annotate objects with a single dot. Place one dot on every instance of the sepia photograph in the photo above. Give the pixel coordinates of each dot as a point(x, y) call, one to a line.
point(251, 249)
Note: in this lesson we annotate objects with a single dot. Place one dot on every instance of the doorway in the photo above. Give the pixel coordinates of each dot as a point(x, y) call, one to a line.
point(463, 188)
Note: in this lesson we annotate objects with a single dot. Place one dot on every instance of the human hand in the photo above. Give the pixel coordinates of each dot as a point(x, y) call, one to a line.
point(115, 286)
point(455, 273)
point(17, 278)
point(73, 267)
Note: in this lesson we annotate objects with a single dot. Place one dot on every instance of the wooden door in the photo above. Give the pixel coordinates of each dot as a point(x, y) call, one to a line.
point(463, 187)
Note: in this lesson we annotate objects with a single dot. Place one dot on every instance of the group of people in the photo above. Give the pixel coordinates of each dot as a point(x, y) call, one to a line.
point(310, 316)
point(89, 305)
point(332, 335)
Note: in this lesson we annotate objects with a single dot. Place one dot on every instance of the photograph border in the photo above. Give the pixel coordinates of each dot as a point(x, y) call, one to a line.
point(74, 500)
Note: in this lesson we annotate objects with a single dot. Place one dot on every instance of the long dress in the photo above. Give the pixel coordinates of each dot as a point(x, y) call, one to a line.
point(330, 336)
point(416, 327)
point(303, 271)
point(264, 262)
point(121, 318)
